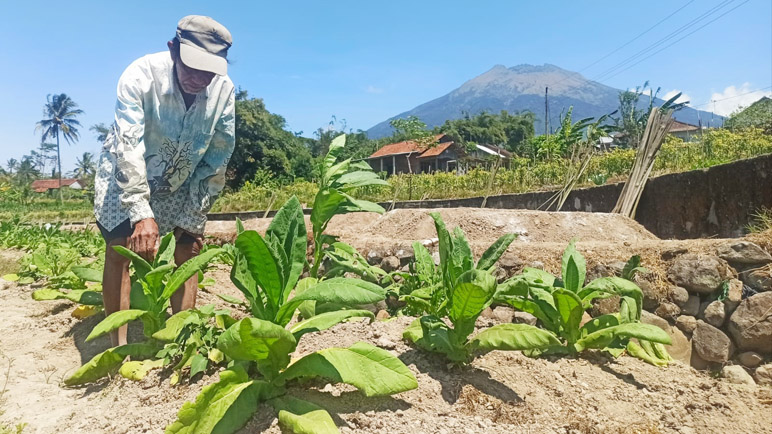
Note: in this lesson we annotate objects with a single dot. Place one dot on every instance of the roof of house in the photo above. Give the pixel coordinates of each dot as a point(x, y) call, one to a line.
point(682, 126)
point(406, 147)
point(436, 150)
point(42, 185)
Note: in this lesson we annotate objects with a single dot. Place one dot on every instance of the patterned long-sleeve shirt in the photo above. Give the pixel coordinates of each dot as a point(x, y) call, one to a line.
point(161, 159)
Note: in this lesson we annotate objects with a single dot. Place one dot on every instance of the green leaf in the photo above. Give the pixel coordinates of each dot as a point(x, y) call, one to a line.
point(462, 253)
point(46, 294)
point(114, 321)
point(338, 290)
point(84, 296)
point(107, 362)
point(87, 274)
point(326, 204)
point(537, 276)
point(513, 337)
point(141, 266)
point(352, 204)
point(424, 264)
point(188, 270)
point(599, 323)
point(174, 326)
point(155, 277)
point(494, 252)
point(137, 370)
point(254, 339)
point(373, 371)
point(303, 417)
point(471, 295)
point(574, 268)
point(359, 178)
point(138, 298)
point(307, 308)
point(230, 299)
point(432, 334)
point(445, 249)
point(198, 364)
point(603, 337)
point(570, 311)
point(636, 350)
point(222, 407)
point(326, 320)
point(615, 286)
point(264, 264)
point(166, 249)
point(289, 226)
point(11, 277)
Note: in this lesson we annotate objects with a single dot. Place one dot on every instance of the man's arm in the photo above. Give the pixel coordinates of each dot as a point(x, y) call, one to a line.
point(208, 179)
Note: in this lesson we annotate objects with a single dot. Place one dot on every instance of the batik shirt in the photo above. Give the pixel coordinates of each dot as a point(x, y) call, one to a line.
point(162, 160)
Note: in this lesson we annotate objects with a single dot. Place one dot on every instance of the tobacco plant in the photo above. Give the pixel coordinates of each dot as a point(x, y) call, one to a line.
point(560, 304)
point(461, 289)
point(336, 182)
point(266, 270)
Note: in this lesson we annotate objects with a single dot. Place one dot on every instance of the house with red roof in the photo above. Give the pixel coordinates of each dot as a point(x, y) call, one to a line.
point(44, 185)
point(443, 156)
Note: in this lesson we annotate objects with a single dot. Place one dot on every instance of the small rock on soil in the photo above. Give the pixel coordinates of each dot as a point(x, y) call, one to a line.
point(743, 253)
point(701, 274)
point(750, 359)
point(711, 344)
point(737, 375)
point(686, 323)
point(751, 323)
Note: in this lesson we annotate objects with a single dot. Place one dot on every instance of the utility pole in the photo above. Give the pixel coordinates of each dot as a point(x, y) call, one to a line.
point(546, 112)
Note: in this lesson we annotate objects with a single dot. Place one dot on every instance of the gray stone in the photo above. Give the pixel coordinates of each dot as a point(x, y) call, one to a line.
point(678, 295)
point(751, 323)
point(734, 296)
point(743, 253)
point(651, 295)
point(673, 253)
point(764, 375)
point(510, 262)
point(692, 306)
point(374, 257)
point(714, 314)
point(737, 375)
point(390, 263)
point(686, 323)
point(649, 318)
point(711, 344)
point(405, 256)
point(605, 306)
point(759, 279)
point(700, 274)
point(698, 362)
point(503, 314)
point(680, 347)
point(524, 318)
point(668, 310)
point(750, 359)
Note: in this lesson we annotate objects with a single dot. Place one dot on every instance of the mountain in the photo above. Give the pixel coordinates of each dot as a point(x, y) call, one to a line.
point(521, 88)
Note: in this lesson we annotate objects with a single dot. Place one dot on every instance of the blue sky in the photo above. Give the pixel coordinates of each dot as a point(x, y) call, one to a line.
point(366, 61)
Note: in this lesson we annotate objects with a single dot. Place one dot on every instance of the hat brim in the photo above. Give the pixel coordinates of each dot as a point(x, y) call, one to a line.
point(196, 58)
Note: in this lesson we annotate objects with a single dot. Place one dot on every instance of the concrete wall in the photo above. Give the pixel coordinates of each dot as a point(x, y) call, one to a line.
point(702, 203)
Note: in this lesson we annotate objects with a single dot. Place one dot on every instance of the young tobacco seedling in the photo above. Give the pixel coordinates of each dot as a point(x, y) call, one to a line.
point(266, 269)
point(560, 305)
point(157, 281)
point(463, 291)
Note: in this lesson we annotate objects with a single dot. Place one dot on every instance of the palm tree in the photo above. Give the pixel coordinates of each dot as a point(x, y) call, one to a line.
point(85, 167)
point(101, 131)
point(60, 112)
point(26, 171)
point(13, 164)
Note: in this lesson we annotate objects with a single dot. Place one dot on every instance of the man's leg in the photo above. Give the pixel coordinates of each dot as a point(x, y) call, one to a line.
point(188, 246)
point(116, 286)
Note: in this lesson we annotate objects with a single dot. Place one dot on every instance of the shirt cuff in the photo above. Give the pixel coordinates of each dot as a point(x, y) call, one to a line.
point(140, 211)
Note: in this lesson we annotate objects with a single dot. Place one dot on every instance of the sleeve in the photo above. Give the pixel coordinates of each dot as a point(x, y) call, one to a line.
point(208, 179)
point(129, 147)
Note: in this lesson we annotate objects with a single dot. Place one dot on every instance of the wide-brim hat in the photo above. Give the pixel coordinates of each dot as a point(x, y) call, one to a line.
point(204, 44)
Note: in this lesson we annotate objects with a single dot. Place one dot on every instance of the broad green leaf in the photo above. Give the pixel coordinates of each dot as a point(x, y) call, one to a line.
point(107, 362)
point(137, 370)
point(11, 277)
point(603, 337)
point(326, 205)
point(628, 310)
point(373, 371)
point(535, 275)
point(599, 323)
point(289, 226)
point(445, 249)
point(222, 407)
point(338, 290)
point(87, 274)
point(307, 308)
point(154, 278)
point(471, 295)
point(574, 268)
point(85, 296)
point(494, 252)
point(114, 321)
point(264, 264)
point(198, 364)
point(243, 280)
point(638, 351)
point(359, 178)
point(432, 334)
point(230, 299)
point(462, 253)
point(352, 204)
point(166, 249)
point(303, 417)
point(253, 339)
point(46, 294)
point(141, 266)
point(138, 298)
point(188, 270)
point(549, 319)
point(513, 337)
point(570, 311)
point(326, 320)
point(174, 326)
point(424, 264)
point(511, 287)
point(616, 286)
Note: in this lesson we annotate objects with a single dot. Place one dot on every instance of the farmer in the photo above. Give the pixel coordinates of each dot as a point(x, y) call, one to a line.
point(163, 163)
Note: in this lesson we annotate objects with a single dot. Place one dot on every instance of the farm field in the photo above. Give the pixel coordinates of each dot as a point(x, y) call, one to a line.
point(497, 392)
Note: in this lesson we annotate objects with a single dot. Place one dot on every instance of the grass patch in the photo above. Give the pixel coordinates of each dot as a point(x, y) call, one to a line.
point(760, 221)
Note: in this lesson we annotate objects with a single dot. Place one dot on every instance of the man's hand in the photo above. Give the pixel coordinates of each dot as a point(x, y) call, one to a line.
point(144, 240)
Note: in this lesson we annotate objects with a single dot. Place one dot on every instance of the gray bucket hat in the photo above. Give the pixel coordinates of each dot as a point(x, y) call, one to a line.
point(204, 44)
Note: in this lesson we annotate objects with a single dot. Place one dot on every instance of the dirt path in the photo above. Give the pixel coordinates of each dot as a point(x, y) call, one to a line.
point(499, 393)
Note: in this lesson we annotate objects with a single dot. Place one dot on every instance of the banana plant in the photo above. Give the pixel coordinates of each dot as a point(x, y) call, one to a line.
point(266, 270)
point(336, 182)
point(158, 281)
point(462, 290)
point(559, 305)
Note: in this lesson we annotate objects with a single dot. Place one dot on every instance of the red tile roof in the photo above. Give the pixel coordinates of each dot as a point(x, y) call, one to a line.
point(436, 150)
point(42, 185)
point(406, 147)
point(682, 126)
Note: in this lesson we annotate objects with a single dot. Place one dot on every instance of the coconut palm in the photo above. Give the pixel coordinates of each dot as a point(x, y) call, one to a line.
point(60, 112)
point(13, 164)
point(85, 167)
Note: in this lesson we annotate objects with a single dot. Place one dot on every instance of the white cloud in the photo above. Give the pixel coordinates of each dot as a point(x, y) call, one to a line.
point(684, 97)
point(373, 89)
point(733, 98)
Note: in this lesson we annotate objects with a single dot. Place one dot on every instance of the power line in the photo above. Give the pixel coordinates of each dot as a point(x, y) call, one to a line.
point(668, 37)
point(730, 97)
point(676, 41)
